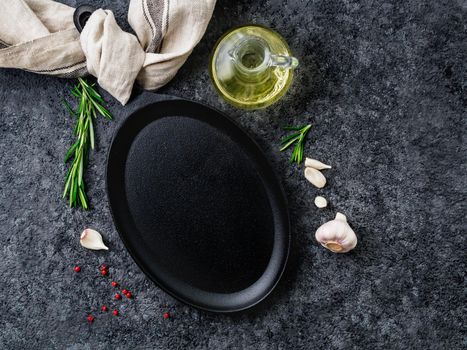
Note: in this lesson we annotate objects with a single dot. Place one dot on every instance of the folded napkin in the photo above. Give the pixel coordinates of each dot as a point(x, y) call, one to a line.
point(40, 36)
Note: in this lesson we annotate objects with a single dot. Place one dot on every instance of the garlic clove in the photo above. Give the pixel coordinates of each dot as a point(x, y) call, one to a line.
point(316, 164)
point(341, 217)
point(92, 239)
point(336, 235)
point(321, 202)
point(315, 177)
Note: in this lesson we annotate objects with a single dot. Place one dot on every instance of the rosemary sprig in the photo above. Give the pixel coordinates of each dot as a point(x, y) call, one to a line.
point(90, 103)
point(297, 138)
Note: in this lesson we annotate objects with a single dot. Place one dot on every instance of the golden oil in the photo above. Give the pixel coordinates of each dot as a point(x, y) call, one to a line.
point(252, 66)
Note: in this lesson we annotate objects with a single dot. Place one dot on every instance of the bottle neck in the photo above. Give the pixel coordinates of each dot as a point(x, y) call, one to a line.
point(251, 58)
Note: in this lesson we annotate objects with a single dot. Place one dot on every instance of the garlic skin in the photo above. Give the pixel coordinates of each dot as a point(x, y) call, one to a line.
point(91, 239)
point(321, 202)
point(316, 164)
point(336, 235)
point(315, 177)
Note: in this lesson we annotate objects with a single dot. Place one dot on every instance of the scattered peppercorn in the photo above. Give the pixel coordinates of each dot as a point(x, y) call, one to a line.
point(166, 315)
point(104, 271)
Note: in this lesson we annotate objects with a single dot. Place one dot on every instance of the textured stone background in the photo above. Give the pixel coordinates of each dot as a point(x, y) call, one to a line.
point(384, 84)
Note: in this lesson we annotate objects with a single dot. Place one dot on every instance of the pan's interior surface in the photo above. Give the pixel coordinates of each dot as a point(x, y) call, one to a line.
point(197, 205)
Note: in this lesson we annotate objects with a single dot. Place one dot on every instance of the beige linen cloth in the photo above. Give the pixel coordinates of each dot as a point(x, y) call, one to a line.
point(40, 36)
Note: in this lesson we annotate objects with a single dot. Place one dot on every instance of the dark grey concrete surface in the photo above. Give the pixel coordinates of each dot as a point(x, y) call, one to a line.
point(384, 84)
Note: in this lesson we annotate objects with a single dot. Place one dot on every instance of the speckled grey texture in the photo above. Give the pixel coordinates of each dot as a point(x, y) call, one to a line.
point(384, 84)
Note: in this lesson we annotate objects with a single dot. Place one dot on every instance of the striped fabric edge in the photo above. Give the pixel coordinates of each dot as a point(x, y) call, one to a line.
point(156, 15)
point(70, 71)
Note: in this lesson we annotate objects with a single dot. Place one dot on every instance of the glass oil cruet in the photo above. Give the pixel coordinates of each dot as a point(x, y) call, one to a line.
point(252, 66)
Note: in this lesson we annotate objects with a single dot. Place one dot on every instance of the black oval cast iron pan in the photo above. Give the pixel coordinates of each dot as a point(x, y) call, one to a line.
point(197, 204)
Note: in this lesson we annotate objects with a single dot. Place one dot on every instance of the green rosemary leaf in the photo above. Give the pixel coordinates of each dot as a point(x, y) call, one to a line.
point(75, 93)
point(84, 84)
point(287, 138)
point(70, 151)
point(102, 110)
point(82, 197)
point(89, 105)
point(91, 133)
point(288, 144)
point(80, 171)
point(71, 190)
point(298, 139)
point(82, 101)
point(94, 94)
point(68, 108)
point(67, 183)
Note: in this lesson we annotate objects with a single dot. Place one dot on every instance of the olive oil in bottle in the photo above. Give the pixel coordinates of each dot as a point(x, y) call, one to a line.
point(252, 67)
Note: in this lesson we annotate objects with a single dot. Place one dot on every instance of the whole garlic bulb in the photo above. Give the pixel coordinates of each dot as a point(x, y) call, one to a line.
point(336, 235)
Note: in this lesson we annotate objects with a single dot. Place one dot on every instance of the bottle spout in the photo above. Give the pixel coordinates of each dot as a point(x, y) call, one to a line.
point(286, 62)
